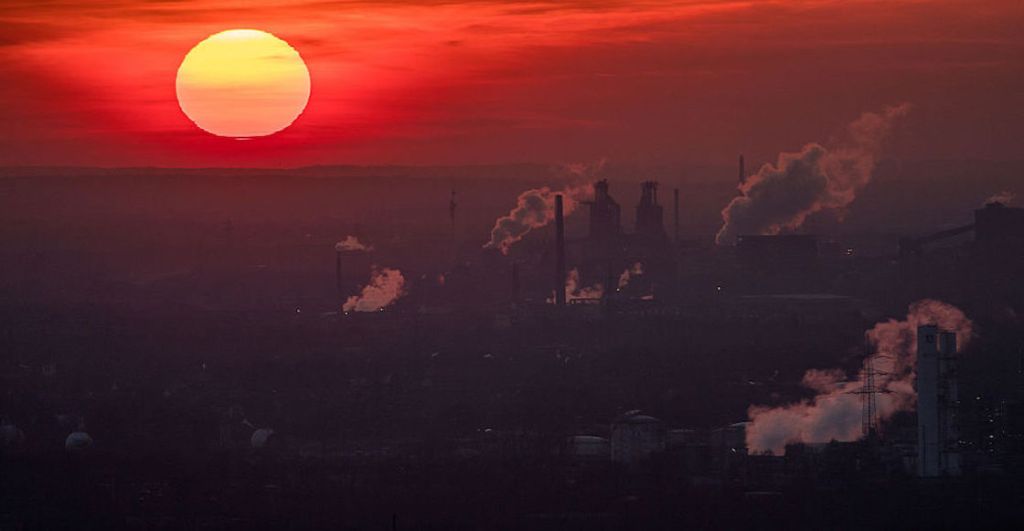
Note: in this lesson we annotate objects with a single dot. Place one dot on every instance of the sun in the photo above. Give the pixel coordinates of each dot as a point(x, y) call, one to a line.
point(243, 83)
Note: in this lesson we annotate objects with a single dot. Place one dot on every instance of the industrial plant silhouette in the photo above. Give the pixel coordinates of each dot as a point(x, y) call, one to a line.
point(273, 364)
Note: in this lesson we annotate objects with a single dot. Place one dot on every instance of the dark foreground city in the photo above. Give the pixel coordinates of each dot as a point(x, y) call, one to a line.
point(235, 373)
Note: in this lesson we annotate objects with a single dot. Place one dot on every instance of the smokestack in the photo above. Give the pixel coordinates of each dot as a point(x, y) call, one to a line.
point(743, 173)
point(559, 252)
point(609, 280)
point(675, 200)
point(337, 271)
point(936, 389)
point(534, 210)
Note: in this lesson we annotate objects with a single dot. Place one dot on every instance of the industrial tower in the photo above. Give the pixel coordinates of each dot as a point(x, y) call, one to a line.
point(937, 401)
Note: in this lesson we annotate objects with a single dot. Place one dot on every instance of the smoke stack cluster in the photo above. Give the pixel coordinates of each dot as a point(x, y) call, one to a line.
point(836, 414)
point(385, 287)
point(781, 196)
point(534, 209)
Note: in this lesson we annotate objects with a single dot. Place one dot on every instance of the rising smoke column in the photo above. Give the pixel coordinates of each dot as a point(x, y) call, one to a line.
point(1004, 198)
point(574, 291)
point(834, 413)
point(624, 278)
point(781, 196)
point(385, 287)
point(351, 244)
point(535, 208)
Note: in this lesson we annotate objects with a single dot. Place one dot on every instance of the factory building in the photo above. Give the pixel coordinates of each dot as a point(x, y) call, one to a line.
point(787, 251)
point(605, 213)
point(999, 228)
point(786, 263)
point(636, 437)
point(649, 214)
point(589, 449)
point(937, 401)
point(998, 232)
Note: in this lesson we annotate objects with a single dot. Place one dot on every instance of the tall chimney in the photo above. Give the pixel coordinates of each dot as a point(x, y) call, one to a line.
point(743, 173)
point(337, 271)
point(559, 252)
point(610, 280)
point(936, 392)
point(675, 201)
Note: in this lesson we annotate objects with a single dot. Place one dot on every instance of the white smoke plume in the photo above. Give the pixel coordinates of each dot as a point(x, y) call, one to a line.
point(1004, 198)
point(351, 244)
point(624, 278)
point(573, 290)
point(385, 287)
point(781, 196)
point(535, 208)
point(834, 413)
point(585, 170)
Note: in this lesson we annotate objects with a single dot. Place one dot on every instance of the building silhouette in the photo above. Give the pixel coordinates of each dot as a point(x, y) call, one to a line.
point(937, 400)
point(605, 213)
point(649, 214)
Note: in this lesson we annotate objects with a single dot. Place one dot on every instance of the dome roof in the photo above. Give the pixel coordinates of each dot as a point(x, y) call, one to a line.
point(638, 419)
point(78, 441)
point(588, 439)
point(260, 437)
point(10, 435)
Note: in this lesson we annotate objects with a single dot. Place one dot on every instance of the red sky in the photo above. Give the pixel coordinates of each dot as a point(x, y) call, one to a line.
point(489, 82)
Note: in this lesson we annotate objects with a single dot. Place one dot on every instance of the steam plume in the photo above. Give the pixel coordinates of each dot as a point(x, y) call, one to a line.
point(351, 243)
point(624, 278)
point(385, 287)
point(834, 413)
point(573, 291)
point(535, 208)
point(781, 196)
point(1004, 198)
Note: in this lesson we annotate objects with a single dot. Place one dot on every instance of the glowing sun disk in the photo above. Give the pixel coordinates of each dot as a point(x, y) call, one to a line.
point(242, 83)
